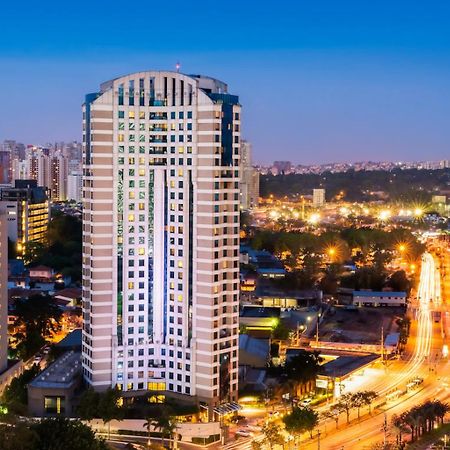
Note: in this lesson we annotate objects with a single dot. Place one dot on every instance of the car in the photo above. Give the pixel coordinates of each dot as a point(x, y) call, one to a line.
point(306, 402)
point(244, 433)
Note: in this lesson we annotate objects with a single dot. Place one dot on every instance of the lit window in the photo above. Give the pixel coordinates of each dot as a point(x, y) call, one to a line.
point(131, 114)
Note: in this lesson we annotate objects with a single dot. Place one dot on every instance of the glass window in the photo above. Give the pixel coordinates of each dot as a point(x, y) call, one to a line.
point(54, 404)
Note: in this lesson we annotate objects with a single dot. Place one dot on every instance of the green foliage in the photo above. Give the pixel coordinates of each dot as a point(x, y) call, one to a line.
point(17, 437)
point(38, 316)
point(103, 405)
point(301, 420)
point(303, 367)
point(49, 434)
point(165, 424)
point(404, 185)
point(280, 331)
point(63, 248)
point(422, 418)
point(60, 433)
point(15, 396)
point(398, 281)
point(272, 435)
point(404, 325)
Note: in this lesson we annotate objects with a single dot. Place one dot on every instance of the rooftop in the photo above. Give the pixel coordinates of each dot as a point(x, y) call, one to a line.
point(73, 339)
point(258, 347)
point(344, 365)
point(379, 294)
point(70, 293)
point(61, 374)
point(258, 311)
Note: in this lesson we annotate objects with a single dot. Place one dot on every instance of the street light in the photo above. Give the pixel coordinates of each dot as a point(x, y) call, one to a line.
point(317, 329)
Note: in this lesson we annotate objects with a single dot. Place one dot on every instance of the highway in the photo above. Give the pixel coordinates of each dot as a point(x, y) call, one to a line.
point(424, 359)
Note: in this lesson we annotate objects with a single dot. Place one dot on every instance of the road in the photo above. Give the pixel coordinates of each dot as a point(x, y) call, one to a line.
point(424, 360)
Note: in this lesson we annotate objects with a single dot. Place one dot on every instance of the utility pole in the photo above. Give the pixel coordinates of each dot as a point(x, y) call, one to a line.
point(317, 329)
point(382, 344)
point(385, 429)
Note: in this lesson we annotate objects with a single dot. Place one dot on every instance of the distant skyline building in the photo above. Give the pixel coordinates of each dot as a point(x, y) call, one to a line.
point(28, 213)
point(282, 167)
point(161, 236)
point(249, 178)
point(318, 198)
point(75, 186)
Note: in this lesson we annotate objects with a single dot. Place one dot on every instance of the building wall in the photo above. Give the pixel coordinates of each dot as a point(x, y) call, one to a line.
point(3, 287)
point(377, 300)
point(161, 230)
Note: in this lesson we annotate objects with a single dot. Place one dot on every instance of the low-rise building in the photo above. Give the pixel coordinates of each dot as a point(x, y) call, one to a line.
point(52, 392)
point(253, 352)
point(384, 298)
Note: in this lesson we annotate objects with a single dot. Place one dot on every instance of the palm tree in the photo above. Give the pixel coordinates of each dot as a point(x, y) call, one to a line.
point(441, 409)
point(165, 424)
point(399, 427)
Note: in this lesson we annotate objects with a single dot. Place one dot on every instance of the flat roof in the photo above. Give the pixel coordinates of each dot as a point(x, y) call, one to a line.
point(378, 294)
point(260, 311)
point(345, 365)
point(61, 374)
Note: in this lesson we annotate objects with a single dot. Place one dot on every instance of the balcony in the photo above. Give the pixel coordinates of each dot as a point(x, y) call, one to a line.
point(158, 139)
point(161, 127)
point(158, 116)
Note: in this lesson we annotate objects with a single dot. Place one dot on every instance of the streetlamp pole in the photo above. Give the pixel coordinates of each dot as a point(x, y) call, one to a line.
point(317, 329)
point(318, 439)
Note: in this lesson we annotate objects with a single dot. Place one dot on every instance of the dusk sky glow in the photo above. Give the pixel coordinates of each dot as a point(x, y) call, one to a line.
point(319, 81)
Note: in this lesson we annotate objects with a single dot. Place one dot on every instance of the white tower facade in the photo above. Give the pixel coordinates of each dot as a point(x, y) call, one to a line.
point(161, 236)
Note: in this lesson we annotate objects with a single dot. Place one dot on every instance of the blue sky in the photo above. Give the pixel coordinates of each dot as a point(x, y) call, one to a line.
point(319, 81)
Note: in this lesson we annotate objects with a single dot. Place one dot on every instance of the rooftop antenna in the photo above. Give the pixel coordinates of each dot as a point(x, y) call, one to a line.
point(177, 67)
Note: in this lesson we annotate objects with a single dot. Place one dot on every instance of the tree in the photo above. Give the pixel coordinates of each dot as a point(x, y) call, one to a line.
point(272, 435)
point(165, 424)
point(303, 367)
point(15, 396)
point(301, 420)
point(88, 407)
point(367, 398)
point(17, 437)
point(280, 331)
point(357, 400)
point(109, 408)
point(38, 316)
point(61, 433)
point(398, 281)
point(346, 403)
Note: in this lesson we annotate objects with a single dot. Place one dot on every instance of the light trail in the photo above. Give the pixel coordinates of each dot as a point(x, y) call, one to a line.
point(427, 293)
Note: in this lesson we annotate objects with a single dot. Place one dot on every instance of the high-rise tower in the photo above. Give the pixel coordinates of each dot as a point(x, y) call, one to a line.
point(161, 236)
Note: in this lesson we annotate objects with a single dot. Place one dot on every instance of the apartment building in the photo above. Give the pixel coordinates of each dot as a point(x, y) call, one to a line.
point(161, 156)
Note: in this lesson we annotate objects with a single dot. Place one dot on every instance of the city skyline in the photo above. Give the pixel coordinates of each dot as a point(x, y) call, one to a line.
point(361, 83)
